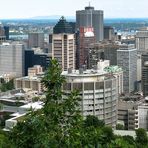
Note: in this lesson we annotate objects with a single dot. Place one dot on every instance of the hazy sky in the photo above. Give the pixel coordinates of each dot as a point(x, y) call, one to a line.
point(112, 8)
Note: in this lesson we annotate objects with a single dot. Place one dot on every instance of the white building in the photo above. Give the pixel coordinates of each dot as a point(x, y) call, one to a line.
point(98, 90)
point(127, 60)
point(142, 116)
point(12, 59)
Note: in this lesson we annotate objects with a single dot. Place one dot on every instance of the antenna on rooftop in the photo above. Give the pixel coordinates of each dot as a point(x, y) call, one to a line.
point(89, 3)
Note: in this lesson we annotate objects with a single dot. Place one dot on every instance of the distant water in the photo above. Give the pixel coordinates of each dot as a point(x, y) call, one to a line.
point(111, 20)
point(19, 37)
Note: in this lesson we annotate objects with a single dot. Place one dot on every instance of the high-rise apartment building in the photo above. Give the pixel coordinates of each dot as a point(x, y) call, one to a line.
point(36, 39)
point(91, 18)
point(62, 43)
point(127, 60)
point(12, 59)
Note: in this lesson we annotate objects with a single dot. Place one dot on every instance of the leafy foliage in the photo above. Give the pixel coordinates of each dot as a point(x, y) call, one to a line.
point(59, 123)
point(7, 86)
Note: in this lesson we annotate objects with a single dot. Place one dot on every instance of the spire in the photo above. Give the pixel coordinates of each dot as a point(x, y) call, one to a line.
point(89, 3)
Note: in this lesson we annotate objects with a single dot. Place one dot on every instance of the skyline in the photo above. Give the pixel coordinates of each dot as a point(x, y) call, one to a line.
point(32, 8)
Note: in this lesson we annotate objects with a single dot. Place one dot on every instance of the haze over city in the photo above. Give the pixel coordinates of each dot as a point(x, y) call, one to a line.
point(112, 8)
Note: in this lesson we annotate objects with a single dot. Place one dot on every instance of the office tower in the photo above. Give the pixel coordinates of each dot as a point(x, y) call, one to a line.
point(2, 31)
point(98, 92)
point(2, 34)
point(103, 50)
point(91, 18)
point(29, 54)
point(127, 60)
point(6, 29)
point(73, 25)
point(62, 27)
point(86, 37)
point(142, 40)
point(144, 78)
point(32, 59)
point(109, 33)
point(12, 59)
point(36, 39)
point(62, 43)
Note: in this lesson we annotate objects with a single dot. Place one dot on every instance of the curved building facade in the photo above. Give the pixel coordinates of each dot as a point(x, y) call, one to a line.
point(98, 91)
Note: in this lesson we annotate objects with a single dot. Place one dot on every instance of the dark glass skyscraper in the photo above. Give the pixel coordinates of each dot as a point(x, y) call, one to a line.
point(62, 27)
point(6, 29)
point(91, 18)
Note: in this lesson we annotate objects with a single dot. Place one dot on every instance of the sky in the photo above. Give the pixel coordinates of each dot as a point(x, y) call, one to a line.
point(112, 8)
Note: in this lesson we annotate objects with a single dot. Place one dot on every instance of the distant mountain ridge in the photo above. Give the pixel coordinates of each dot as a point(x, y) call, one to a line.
point(52, 17)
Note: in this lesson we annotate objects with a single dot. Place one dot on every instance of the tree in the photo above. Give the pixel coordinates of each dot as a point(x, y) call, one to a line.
point(141, 137)
point(7, 86)
point(93, 121)
point(4, 140)
point(35, 99)
point(58, 123)
point(119, 127)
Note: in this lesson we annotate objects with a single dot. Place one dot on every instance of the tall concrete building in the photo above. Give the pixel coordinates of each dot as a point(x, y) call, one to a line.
point(86, 37)
point(103, 50)
point(62, 43)
point(109, 33)
point(127, 60)
point(91, 18)
point(36, 39)
point(2, 34)
point(142, 40)
point(98, 91)
point(144, 75)
point(142, 116)
point(12, 59)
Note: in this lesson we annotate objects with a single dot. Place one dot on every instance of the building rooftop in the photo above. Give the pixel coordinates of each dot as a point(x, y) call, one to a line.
point(36, 78)
point(84, 73)
point(113, 69)
point(62, 26)
point(35, 105)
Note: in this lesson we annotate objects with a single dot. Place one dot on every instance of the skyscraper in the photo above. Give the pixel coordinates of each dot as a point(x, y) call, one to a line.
point(91, 18)
point(32, 58)
point(109, 33)
point(144, 75)
point(12, 59)
point(86, 37)
point(142, 40)
point(36, 39)
point(6, 28)
point(62, 43)
point(127, 60)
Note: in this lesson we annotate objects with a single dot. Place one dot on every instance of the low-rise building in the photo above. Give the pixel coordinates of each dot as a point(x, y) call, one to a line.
point(29, 83)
